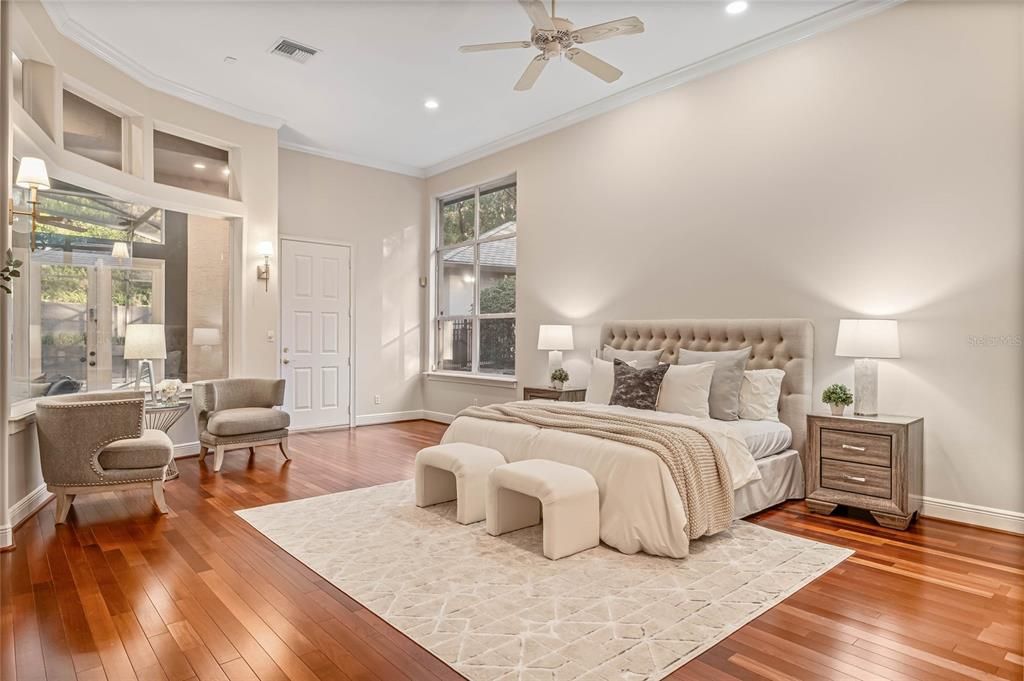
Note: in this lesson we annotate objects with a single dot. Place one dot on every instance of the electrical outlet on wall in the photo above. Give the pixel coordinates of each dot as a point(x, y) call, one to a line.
point(377, 399)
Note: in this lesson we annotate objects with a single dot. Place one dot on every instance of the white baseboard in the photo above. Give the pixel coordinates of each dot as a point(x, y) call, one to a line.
point(984, 516)
point(396, 416)
point(22, 510)
point(186, 449)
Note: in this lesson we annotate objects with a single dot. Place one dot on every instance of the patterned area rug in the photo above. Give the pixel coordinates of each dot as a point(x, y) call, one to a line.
point(495, 608)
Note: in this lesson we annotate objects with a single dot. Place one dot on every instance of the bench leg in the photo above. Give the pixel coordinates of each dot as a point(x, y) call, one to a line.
point(508, 510)
point(471, 493)
point(434, 486)
point(572, 525)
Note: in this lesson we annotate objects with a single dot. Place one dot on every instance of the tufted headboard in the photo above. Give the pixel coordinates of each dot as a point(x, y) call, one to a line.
point(786, 344)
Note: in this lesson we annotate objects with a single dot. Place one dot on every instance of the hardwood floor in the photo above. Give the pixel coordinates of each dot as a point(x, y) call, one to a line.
point(123, 593)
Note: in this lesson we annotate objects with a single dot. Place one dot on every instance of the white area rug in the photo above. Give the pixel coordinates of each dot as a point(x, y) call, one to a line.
point(496, 608)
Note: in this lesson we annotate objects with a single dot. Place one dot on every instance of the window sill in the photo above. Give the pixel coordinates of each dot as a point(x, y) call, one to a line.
point(509, 382)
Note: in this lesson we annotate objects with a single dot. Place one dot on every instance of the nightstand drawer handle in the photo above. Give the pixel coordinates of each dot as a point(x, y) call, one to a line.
point(855, 448)
point(854, 478)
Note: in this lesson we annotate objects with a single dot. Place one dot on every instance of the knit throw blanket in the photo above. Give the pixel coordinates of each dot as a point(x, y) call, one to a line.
point(695, 462)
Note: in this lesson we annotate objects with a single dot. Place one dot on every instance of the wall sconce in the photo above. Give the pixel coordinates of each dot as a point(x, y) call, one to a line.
point(33, 177)
point(266, 249)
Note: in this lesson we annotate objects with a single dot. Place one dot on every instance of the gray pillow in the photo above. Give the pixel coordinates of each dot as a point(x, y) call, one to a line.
point(637, 388)
point(645, 359)
point(724, 400)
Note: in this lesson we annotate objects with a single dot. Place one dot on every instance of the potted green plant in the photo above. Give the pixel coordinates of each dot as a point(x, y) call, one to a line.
point(10, 271)
point(838, 397)
point(558, 378)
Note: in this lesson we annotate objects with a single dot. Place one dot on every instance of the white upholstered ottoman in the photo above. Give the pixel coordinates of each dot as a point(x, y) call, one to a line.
point(517, 492)
point(456, 470)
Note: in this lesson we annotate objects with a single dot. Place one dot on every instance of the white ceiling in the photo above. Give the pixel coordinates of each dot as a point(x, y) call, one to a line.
point(362, 97)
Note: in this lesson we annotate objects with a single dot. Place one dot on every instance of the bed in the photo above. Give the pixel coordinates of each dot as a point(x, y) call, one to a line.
point(640, 505)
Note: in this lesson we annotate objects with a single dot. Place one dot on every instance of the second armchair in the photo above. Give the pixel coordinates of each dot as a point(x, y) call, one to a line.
point(239, 413)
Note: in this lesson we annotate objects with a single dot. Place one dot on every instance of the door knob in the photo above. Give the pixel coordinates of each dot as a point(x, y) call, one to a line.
point(284, 361)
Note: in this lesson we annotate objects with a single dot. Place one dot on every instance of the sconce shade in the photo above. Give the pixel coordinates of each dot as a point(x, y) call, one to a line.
point(145, 341)
point(265, 248)
point(205, 336)
point(32, 174)
point(870, 338)
point(120, 250)
point(554, 337)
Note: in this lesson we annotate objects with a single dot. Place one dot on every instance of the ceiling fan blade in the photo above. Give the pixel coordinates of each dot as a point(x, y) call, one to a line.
point(538, 15)
point(485, 47)
point(532, 73)
point(609, 29)
point(589, 62)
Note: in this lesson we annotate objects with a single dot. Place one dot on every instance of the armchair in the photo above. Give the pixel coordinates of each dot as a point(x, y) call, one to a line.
point(93, 442)
point(238, 413)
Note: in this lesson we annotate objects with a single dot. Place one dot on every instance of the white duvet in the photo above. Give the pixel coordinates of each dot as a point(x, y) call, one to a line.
point(640, 505)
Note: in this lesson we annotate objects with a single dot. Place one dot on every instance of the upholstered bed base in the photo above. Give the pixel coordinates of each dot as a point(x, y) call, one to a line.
point(786, 344)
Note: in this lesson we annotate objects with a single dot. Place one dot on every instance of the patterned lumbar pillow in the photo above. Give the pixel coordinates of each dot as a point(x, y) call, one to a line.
point(637, 388)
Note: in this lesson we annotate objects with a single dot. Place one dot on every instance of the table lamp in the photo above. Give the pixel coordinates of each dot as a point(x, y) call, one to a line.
point(554, 338)
point(145, 342)
point(868, 340)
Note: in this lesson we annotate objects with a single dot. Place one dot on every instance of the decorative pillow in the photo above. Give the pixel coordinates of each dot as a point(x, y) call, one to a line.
point(637, 388)
point(759, 394)
point(602, 380)
point(724, 400)
point(645, 359)
point(685, 389)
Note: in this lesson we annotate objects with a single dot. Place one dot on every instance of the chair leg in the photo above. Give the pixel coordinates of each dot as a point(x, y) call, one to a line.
point(252, 451)
point(218, 458)
point(203, 451)
point(158, 496)
point(64, 501)
point(283, 446)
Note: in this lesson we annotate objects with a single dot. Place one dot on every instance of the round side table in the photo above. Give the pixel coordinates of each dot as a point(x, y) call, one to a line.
point(161, 416)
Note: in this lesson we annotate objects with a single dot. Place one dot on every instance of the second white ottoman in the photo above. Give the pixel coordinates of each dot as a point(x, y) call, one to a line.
point(456, 470)
point(517, 493)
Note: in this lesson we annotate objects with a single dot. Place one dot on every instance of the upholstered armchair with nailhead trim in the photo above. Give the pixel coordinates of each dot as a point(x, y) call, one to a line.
point(95, 442)
point(239, 413)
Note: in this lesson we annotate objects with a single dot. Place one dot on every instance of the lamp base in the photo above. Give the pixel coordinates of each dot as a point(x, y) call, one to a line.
point(865, 387)
point(145, 372)
point(554, 361)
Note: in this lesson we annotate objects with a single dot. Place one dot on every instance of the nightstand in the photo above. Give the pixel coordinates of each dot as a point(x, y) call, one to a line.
point(870, 462)
point(562, 394)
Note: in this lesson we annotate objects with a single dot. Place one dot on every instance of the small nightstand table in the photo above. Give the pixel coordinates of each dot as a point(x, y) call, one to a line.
point(562, 394)
point(873, 463)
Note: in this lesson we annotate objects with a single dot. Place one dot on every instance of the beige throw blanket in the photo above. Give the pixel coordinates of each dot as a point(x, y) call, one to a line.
point(695, 462)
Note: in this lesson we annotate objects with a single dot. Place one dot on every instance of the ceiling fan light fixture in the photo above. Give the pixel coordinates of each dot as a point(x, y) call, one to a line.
point(737, 7)
point(431, 104)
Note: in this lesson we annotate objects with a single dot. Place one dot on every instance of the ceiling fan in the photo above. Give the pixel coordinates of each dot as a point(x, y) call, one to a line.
point(555, 36)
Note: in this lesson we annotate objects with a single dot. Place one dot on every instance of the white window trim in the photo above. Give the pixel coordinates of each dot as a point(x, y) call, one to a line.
point(436, 250)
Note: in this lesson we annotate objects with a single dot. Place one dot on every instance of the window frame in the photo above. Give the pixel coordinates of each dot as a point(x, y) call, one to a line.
point(437, 258)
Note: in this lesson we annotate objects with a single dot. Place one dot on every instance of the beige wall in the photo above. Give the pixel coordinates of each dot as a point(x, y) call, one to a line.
point(874, 170)
point(209, 266)
point(380, 215)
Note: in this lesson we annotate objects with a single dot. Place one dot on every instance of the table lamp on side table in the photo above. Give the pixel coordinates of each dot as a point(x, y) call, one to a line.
point(868, 340)
point(145, 342)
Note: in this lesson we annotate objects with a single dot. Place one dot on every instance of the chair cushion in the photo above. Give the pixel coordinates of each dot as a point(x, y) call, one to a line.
point(247, 420)
point(152, 450)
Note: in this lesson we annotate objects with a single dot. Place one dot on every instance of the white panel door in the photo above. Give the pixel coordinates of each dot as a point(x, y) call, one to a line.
point(315, 330)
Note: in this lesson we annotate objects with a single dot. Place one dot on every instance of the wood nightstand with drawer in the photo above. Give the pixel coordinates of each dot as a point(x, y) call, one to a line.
point(870, 462)
point(561, 394)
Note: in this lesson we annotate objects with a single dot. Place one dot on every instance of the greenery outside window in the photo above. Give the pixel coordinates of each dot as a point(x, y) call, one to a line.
point(475, 275)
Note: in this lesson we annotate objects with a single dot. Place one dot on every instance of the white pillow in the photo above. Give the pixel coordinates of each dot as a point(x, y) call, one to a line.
point(641, 359)
point(759, 394)
point(602, 381)
point(685, 389)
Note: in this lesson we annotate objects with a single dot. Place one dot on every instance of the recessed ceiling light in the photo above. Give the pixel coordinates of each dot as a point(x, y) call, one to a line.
point(199, 166)
point(736, 7)
point(431, 104)
point(229, 59)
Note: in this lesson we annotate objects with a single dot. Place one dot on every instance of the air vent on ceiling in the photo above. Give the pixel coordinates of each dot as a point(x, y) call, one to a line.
point(289, 49)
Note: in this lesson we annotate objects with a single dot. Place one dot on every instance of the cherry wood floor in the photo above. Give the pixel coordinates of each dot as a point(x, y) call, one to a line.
point(122, 593)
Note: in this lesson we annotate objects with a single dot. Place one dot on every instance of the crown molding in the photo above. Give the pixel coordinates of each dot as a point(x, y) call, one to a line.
point(85, 38)
point(377, 164)
point(826, 21)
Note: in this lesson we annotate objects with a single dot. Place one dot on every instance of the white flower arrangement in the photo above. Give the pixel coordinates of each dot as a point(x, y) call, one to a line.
point(169, 389)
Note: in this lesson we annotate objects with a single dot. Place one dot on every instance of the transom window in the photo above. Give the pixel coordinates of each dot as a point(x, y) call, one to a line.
point(475, 275)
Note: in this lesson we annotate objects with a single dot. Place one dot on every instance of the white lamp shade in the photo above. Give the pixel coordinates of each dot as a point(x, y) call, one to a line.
point(145, 341)
point(205, 336)
point(875, 338)
point(265, 248)
point(554, 337)
point(120, 250)
point(32, 174)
